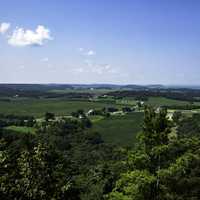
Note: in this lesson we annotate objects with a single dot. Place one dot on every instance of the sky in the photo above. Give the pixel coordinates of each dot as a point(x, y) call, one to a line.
point(100, 41)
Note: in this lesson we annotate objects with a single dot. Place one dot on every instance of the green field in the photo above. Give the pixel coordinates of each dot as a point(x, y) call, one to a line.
point(128, 102)
point(37, 107)
point(120, 130)
point(21, 129)
point(162, 101)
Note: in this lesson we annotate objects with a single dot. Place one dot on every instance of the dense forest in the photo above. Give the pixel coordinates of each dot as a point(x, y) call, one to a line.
point(64, 159)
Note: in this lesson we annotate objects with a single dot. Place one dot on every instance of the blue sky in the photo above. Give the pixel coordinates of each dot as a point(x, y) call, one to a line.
point(100, 41)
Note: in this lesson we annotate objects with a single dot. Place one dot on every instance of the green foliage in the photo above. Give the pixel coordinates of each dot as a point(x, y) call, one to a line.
point(10, 120)
point(61, 161)
point(66, 159)
point(49, 116)
point(181, 179)
point(127, 109)
point(188, 127)
point(155, 129)
point(176, 116)
point(160, 169)
point(135, 185)
point(34, 173)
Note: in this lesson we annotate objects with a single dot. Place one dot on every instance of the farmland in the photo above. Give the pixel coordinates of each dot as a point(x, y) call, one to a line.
point(37, 107)
point(120, 130)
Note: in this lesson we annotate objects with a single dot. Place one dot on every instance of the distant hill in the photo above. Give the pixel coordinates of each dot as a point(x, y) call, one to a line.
point(47, 87)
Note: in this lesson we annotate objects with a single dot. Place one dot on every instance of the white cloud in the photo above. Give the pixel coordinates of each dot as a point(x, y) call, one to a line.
point(4, 27)
point(22, 37)
point(91, 53)
point(46, 59)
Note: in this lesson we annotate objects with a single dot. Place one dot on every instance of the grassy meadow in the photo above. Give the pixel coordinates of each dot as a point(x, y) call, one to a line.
point(120, 130)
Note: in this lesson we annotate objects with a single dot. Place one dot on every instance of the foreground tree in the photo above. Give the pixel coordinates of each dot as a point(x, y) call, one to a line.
point(62, 160)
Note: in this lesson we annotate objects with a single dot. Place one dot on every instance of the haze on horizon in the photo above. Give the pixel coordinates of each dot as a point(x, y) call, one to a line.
point(100, 41)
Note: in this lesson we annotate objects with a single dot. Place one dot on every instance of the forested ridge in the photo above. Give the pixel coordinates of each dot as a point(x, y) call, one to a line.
point(64, 159)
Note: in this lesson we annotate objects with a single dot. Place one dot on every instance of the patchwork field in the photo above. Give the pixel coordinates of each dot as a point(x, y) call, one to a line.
point(117, 129)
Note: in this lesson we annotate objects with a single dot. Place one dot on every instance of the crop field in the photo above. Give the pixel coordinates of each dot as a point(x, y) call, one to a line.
point(120, 130)
point(37, 107)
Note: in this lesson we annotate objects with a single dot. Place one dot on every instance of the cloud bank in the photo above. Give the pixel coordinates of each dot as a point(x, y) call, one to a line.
point(22, 37)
